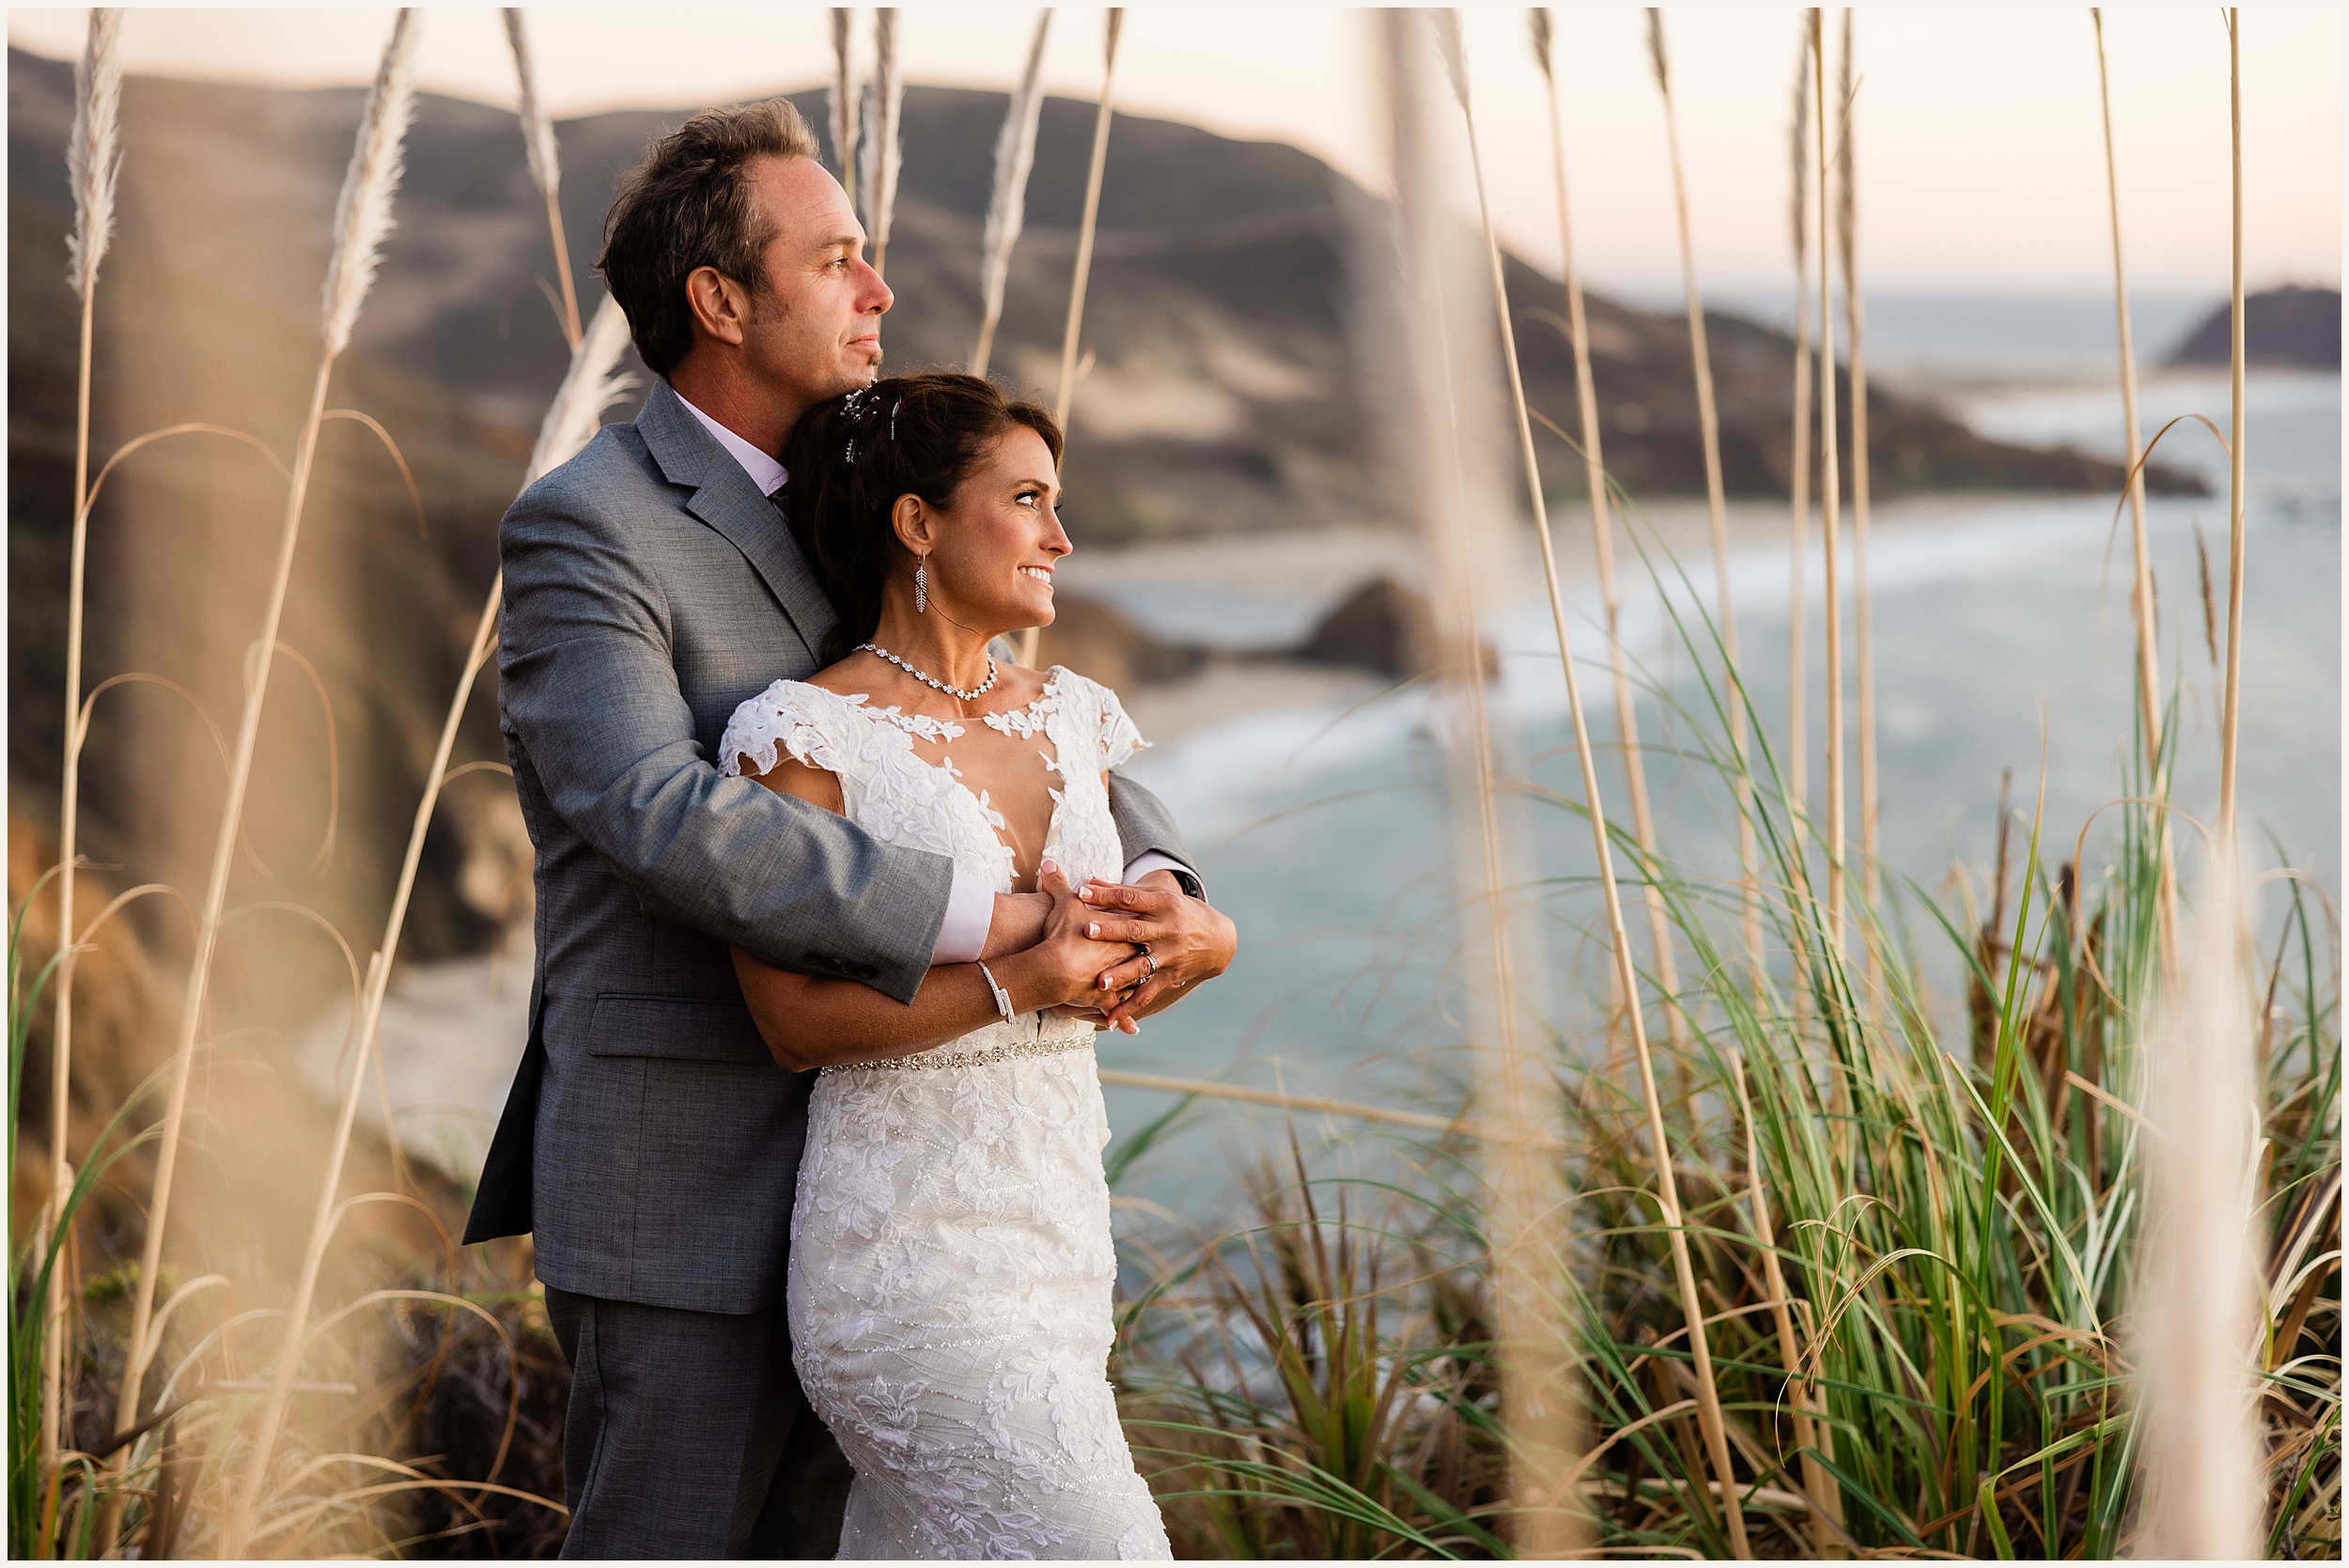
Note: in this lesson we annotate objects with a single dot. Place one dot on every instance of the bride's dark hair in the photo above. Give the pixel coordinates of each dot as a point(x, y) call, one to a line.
point(851, 457)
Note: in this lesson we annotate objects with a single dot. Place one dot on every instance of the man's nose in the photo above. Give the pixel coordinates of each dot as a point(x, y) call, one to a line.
point(876, 297)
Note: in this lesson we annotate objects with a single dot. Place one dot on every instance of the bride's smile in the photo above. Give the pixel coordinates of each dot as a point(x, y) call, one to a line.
point(987, 558)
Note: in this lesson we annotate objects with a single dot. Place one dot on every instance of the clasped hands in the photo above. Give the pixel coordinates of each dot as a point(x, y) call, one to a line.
point(1124, 951)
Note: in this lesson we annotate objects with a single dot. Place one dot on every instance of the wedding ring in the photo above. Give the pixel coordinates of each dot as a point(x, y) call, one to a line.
point(1154, 967)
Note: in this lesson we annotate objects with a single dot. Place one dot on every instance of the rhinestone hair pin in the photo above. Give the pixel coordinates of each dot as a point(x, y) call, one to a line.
point(852, 409)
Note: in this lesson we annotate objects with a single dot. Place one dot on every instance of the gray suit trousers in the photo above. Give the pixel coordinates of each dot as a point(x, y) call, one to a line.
point(687, 1436)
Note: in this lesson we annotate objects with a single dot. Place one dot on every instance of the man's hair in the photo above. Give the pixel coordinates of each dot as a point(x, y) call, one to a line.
point(851, 457)
point(688, 205)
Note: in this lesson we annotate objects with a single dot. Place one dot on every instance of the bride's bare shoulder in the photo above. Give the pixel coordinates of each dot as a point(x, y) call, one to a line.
point(839, 680)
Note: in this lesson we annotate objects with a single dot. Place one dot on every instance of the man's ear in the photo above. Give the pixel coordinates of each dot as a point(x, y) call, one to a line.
point(916, 525)
point(722, 307)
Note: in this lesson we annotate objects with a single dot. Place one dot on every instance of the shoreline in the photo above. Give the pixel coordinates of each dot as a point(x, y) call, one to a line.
point(1300, 574)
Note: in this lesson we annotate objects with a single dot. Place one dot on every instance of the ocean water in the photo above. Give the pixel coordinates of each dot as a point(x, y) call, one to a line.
point(2003, 644)
point(2007, 335)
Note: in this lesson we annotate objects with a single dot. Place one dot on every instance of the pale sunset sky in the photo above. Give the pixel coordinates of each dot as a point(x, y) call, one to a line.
point(1980, 160)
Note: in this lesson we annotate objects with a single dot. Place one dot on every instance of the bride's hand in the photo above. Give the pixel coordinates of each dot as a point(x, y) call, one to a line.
point(1063, 967)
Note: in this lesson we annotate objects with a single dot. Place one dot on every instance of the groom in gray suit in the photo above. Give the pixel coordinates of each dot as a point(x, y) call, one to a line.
point(650, 1143)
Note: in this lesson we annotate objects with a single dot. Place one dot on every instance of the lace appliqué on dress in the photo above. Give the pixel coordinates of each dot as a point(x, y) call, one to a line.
point(952, 1268)
point(885, 787)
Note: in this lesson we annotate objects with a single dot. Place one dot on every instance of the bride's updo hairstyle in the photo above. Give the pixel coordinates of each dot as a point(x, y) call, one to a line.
point(851, 457)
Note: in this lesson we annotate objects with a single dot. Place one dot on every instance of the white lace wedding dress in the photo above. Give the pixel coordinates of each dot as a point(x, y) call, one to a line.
point(951, 1262)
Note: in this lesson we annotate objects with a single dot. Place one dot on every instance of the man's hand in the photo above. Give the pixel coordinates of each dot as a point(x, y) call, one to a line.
point(1189, 940)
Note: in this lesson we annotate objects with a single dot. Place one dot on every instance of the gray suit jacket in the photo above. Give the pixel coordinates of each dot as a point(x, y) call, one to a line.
point(649, 1140)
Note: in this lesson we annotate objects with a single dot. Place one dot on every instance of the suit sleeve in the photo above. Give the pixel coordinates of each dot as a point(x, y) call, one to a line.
point(589, 688)
point(1145, 825)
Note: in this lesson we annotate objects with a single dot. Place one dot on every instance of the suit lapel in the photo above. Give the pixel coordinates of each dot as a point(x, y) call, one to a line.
point(725, 499)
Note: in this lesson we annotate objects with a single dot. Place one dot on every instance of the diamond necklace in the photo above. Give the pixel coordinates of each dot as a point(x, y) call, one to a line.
point(971, 697)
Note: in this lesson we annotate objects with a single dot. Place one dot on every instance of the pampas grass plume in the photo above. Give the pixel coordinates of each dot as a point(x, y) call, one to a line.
point(843, 96)
point(363, 213)
point(1008, 211)
point(546, 170)
point(2199, 1329)
point(593, 384)
point(1454, 56)
point(94, 155)
point(884, 144)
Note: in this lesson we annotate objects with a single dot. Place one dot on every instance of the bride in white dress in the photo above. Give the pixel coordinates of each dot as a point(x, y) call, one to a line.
point(952, 1267)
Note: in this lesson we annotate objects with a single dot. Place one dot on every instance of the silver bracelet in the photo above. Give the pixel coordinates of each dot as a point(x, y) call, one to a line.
point(1003, 998)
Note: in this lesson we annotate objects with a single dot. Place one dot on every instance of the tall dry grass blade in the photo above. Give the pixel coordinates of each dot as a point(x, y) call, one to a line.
point(1709, 430)
point(2230, 710)
point(2142, 583)
point(884, 135)
point(588, 388)
point(1669, 1198)
point(1528, 1200)
point(1071, 332)
point(843, 93)
point(93, 159)
point(1855, 328)
point(1064, 395)
point(1626, 707)
point(1798, 471)
point(1830, 488)
point(1007, 208)
point(546, 167)
point(1578, 321)
point(363, 216)
point(2200, 1327)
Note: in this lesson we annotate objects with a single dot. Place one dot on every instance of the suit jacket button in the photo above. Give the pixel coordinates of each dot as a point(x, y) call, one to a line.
point(866, 972)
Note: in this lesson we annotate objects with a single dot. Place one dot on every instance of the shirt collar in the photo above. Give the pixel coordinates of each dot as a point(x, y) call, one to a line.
point(766, 473)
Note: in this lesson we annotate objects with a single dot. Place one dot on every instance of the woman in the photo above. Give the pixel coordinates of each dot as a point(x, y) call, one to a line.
point(951, 1262)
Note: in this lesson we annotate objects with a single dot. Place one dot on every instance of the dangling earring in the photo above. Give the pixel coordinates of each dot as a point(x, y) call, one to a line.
point(922, 585)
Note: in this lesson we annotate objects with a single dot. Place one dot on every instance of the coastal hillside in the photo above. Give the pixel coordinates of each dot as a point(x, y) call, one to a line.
point(1222, 396)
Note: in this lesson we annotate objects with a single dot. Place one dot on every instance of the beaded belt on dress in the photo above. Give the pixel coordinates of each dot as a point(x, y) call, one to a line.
point(986, 1057)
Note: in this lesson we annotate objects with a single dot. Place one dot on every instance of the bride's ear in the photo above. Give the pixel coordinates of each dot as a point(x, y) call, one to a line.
point(915, 525)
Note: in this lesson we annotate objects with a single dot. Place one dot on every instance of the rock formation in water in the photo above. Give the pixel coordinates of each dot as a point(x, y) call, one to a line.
point(2291, 327)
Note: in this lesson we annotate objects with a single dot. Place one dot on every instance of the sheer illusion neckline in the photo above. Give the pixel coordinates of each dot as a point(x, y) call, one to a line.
point(1025, 722)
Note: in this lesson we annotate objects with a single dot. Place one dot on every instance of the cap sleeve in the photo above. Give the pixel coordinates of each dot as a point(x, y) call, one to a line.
point(1119, 739)
point(790, 718)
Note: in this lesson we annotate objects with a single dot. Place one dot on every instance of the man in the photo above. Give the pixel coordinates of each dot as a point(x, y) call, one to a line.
point(649, 1141)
